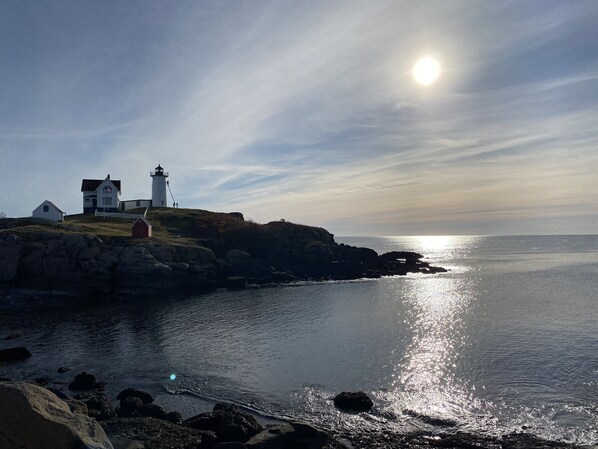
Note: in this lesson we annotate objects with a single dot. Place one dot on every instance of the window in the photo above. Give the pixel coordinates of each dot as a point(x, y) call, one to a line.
point(107, 189)
point(107, 201)
point(46, 208)
point(138, 203)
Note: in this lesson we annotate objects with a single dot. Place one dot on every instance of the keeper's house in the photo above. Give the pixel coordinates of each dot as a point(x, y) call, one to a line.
point(100, 194)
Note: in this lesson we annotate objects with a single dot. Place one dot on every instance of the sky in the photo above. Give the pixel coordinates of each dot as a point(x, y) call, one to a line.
point(308, 110)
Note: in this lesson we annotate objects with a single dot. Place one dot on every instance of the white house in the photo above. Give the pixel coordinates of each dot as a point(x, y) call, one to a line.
point(48, 210)
point(100, 195)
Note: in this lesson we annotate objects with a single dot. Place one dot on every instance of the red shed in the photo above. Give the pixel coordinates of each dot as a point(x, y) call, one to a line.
point(142, 228)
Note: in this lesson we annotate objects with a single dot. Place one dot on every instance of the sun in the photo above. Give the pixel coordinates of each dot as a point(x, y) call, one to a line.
point(426, 71)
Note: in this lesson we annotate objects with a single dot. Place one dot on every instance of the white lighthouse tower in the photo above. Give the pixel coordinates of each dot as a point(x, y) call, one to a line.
point(159, 187)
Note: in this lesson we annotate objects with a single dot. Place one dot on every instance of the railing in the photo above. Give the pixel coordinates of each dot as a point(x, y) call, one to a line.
point(100, 213)
point(160, 173)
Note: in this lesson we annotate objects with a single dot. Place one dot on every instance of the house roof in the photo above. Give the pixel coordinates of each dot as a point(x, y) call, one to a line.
point(90, 185)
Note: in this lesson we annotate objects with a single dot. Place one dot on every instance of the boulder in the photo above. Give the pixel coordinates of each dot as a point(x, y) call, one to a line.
point(146, 398)
point(83, 381)
point(24, 407)
point(228, 421)
point(153, 411)
point(13, 354)
point(100, 408)
point(130, 407)
point(174, 417)
point(353, 401)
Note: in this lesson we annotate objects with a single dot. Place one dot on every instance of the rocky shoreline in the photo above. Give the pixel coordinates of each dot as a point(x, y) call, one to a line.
point(61, 258)
point(35, 417)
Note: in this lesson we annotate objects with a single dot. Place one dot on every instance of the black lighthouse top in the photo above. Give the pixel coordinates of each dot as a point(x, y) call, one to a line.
point(159, 171)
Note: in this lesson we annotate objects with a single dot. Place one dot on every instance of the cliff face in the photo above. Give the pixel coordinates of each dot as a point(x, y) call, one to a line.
point(88, 265)
point(194, 251)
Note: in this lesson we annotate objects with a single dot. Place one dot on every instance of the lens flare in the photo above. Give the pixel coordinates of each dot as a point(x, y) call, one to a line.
point(173, 376)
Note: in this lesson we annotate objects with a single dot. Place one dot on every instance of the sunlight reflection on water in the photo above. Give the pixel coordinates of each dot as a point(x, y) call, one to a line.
point(425, 379)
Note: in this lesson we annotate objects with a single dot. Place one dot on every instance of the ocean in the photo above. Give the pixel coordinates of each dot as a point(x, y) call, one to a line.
point(506, 341)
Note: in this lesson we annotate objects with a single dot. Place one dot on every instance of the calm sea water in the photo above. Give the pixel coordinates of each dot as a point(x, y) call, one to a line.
point(506, 341)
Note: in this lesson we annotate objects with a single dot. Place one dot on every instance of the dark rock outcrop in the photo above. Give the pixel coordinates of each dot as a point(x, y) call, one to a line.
point(174, 417)
point(228, 422)
point(130, 407)
point(146, 398)
point(353, 401)
point(62, 258)
point(13, 354)
point(100, 408)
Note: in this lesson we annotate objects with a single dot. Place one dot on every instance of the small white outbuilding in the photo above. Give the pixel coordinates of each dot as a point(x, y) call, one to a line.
point(48, 210)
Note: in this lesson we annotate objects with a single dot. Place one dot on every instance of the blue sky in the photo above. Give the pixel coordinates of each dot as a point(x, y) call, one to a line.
point(307, 110)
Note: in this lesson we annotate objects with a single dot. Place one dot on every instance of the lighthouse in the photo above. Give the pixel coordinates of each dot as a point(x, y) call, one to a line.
point(159, 187)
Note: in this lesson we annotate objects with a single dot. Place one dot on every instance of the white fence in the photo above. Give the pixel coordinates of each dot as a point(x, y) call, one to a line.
point(99, 213)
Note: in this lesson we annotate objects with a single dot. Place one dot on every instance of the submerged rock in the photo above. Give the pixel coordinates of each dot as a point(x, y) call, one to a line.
point(83, 381)
point(13, 354)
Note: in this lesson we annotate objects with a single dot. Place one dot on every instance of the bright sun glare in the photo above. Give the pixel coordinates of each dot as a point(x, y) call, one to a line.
point(426, 71)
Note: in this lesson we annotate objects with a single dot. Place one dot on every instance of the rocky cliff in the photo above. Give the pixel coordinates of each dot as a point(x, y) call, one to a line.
point(191, 251)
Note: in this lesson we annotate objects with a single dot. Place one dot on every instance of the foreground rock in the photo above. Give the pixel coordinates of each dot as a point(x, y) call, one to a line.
point(32, 417)
point(228, 422)
point(13, 354)
point(353, 401)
